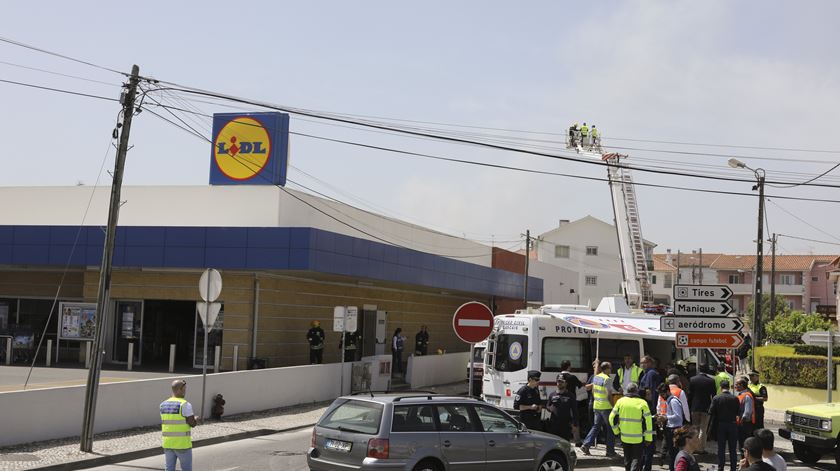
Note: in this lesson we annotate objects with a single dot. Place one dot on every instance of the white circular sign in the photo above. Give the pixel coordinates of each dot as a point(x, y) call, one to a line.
point(210, 285)
point(515, 351)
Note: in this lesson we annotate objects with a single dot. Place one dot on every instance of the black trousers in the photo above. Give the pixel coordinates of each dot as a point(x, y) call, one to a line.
point(727, 434)
point(531, 420)
point(745, 431)
point(633, 456)
point(670, 448)
point(316, 356)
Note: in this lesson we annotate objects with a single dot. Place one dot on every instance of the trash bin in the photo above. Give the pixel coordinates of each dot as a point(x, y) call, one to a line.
point(257, 363)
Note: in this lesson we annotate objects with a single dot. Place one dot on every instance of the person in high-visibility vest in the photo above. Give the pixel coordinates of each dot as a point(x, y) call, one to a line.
point(630, 419)
point(177, 420)
point(670, 416)
point(584, 135)
point(760, 395)
point(722, 375)
point(629, 373)
point(602, 404)
point(596, 138)
point(746, 411)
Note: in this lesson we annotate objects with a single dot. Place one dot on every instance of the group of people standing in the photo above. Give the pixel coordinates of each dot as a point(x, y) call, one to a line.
point(681, 412)
point(350, 342)
point(585, 137)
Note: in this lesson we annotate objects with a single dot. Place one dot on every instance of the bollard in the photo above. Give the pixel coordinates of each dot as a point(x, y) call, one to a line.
point(172, 358)
point(130, 363)
point(235, 358)
point(49, 352)
point(87, 354)
point(9, 351)
point(216, 358)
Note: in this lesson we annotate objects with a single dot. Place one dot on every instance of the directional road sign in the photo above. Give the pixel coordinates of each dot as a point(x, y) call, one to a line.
point(700, 324)
point(702, 292)
point(473, 322)
point(702, 308)
point(819, 337)
point(688, 340)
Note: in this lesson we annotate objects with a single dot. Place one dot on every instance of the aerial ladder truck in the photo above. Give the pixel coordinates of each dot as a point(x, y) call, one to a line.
point(628, 226)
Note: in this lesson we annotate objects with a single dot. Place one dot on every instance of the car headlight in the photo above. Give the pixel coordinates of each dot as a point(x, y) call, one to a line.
point(788, 417)
point(825, 425)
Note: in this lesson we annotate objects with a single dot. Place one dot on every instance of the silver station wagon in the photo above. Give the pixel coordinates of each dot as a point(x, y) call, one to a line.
point(413, 432)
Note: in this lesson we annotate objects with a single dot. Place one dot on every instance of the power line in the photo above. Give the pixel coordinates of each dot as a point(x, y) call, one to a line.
point(803, 221)
point(59, 90)
point(59, 74)
point(808, 240)
point(80, 61)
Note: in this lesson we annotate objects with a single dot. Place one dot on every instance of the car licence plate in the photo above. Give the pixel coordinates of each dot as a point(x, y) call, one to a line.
point(338, 445)
point(797, 436)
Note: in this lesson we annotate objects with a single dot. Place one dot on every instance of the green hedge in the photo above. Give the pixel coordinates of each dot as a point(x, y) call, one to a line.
point(784, 366)
point(811, 350)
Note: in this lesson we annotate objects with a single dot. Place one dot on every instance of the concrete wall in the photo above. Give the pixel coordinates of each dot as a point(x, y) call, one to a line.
point(782, 397)
point(431, 370)
point(44, 414)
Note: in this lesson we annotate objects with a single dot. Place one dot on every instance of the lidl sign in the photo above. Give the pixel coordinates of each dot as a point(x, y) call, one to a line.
point(249, 149)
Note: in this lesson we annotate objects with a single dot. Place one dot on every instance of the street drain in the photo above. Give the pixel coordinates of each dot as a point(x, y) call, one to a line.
point(19, 457)
point(287, 453)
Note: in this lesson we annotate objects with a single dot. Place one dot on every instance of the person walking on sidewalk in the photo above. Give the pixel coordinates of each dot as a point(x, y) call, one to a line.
point(602, 404)
point(724, 414)
point(630, 419)
point(177, 420)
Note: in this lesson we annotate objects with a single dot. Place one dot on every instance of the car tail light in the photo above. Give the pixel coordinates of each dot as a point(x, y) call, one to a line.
point(507, 392)
point(312, 440)
point(378, 448)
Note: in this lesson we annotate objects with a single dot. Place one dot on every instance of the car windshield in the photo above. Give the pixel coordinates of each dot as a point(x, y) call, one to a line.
point(354, 416)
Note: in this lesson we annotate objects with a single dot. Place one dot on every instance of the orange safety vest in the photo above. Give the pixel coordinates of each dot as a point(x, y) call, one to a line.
point(746, 392)
point(663, 406)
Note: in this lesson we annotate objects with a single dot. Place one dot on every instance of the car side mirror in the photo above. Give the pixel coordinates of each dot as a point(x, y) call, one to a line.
point(521, 428)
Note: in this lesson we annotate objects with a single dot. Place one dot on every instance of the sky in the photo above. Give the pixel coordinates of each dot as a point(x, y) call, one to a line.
point(750, 74)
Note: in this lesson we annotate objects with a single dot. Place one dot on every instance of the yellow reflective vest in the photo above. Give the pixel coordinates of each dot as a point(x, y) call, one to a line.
point(722, 375)
point(635, 375)
point(634, 420)
point(601, 400)
point(176, 430)
point(584, 130)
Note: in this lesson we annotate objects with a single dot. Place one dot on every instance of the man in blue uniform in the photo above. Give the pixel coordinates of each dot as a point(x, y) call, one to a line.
point(528, 402)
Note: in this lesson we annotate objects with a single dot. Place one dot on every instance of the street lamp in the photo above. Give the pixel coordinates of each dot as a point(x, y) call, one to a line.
point(759, 248)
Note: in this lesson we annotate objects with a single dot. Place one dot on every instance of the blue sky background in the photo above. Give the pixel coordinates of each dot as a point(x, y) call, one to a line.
point(760, 73)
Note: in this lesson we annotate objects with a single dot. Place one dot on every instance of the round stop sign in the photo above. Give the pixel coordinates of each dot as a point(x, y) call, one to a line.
point(473, 322)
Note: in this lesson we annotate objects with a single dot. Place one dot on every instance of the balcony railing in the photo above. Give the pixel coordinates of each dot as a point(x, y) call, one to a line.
point(747, 288)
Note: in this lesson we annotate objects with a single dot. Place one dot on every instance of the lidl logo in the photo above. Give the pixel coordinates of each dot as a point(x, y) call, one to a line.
point(249, 149)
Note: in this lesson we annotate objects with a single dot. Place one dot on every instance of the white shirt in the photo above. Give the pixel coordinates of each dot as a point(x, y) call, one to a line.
point(776, 461)
point(628, 377)
point(187, 410)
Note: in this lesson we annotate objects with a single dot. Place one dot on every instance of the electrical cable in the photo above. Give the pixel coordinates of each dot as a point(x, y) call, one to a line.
point(59, 90)
point(803, 221)
point(80, 61)
point(59, 74)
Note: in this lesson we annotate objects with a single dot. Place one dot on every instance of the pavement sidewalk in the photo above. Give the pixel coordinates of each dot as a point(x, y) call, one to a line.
point(115, 447)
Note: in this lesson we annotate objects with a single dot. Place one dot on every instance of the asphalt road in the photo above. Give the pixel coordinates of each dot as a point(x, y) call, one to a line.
point(278, 452)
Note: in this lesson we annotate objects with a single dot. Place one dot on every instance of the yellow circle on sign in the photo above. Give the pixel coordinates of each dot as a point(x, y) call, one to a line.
point(242, 148)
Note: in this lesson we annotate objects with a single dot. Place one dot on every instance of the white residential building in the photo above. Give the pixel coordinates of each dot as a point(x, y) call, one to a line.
point(589, 247)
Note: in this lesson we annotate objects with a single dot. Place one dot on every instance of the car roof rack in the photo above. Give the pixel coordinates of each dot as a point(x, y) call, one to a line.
point(415, 393)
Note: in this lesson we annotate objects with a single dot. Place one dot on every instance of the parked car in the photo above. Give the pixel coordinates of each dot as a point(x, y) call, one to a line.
point(427, 432)
point(813, 429)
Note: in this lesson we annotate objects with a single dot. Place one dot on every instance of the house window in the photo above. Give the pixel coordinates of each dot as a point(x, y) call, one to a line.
point(786, 280)
point(815, 279)
point(734, 279)
point(591, 250)
point(653, 282)
point(591, 280)
point(561, 251)
point(669, 279)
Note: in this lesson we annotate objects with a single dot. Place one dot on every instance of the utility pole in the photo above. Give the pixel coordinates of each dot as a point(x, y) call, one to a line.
point(678, 267)
point(701, 265)
point(103, 297)
point(759, 260)
point(527, 265)
point(773, 277)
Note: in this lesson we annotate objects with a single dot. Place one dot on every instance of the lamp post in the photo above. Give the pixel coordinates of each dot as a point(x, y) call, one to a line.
point(759, 248)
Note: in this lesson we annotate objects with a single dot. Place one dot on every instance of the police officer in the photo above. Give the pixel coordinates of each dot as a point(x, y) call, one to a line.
point(528, 402)
point(421, 341)
point(177, 419)
point(631, 419)
point(353, 340)
point(315, 336)
point(760, 395)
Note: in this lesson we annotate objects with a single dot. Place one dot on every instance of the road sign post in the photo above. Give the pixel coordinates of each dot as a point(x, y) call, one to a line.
point(702, 308)
point(473, 323)
point(824, 338)
point(701, 318)
point(709, 340)
point(700, 324)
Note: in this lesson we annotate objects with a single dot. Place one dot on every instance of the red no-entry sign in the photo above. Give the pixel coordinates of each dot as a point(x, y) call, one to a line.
point(473, 322)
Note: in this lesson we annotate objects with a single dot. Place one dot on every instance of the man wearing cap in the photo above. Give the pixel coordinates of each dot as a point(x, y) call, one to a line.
point(760, 395)
point(563, 408)
point(630, 419)
point(177, 419)
point(602, 405)
point(528, 402)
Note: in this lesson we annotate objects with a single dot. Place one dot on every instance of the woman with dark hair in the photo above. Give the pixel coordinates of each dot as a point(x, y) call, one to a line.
point(397, 346)
point(687, 439)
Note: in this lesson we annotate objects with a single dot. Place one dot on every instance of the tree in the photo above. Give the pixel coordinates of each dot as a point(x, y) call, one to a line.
point(788, 327)
point(782, 307)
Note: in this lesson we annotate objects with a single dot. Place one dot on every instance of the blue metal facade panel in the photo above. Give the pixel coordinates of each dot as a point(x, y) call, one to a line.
point(278, 248)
